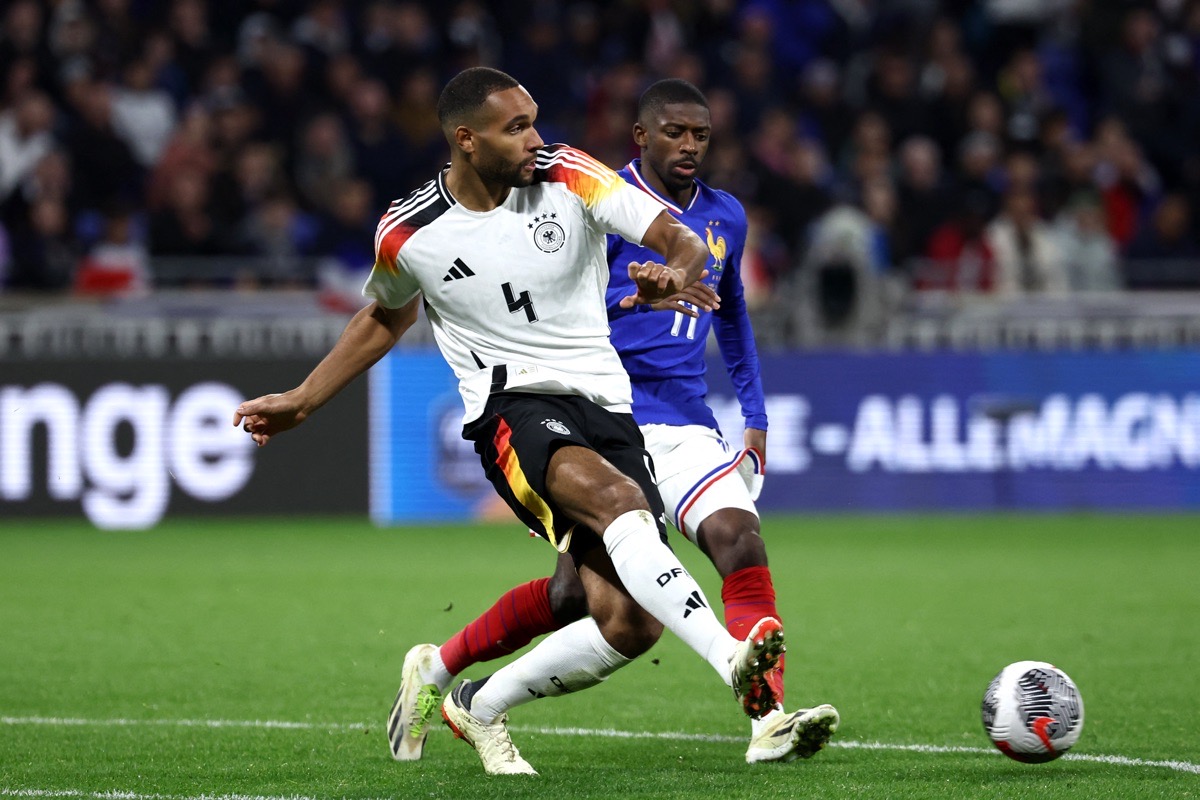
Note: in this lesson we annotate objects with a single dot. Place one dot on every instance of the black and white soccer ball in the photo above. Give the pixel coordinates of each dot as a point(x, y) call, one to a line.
point(1032, 712)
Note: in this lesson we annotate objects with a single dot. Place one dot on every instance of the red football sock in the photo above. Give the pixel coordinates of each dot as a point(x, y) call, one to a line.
point(749, 595)
point(519, 615)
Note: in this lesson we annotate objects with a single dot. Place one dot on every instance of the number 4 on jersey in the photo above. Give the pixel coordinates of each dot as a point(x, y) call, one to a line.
point(517, 302)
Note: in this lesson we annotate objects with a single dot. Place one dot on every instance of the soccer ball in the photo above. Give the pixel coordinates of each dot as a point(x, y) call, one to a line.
point(1032, 712)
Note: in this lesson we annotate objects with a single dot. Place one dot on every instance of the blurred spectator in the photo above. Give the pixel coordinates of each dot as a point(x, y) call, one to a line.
point(841, 277)
point(764, 257)
point(1025, 251)
point(104, 166)
point(422, 148)
point(281, 235)
point(979, 168)
point(185, 225)
point(189, 150)
point(948, 109)
point(24, 139)
point(323, 159)
point(893, 95)
point(960, 257)
point(192, 39)
point(44, 253)
point(1025, 97)
point(118, 263)
point(1126, 181)
point(379, 149)
point(142, 115)
point(398, 39)
point(1138, 87)
point(1088, 253)
point(323, 28)
point(825, 116)
point(348, 233)
point(923, 196)
point(282, 98)
point(23, 38)
point(1166, 253)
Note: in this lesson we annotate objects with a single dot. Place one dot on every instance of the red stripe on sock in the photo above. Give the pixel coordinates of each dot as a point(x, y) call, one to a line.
point(749, 595)
point(516, 618)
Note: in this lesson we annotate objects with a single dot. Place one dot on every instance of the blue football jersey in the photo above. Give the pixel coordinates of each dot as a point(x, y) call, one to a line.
point(664, 351)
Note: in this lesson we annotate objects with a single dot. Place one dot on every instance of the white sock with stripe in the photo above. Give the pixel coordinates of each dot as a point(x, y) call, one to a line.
point(567, 660)
point(657, 580)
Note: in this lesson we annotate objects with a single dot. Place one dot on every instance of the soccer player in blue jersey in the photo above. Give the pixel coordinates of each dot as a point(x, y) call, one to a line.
point(707, 485)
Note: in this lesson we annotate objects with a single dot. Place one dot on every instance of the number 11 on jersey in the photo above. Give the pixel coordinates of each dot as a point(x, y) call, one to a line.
point(677, 325)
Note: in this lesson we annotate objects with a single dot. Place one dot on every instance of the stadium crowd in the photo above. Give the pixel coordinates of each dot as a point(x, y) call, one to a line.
point(989, 146)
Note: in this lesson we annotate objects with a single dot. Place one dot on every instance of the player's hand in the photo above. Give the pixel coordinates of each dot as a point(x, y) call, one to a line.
point(757, 440)
point(271, 414)
point(654, 282)
point(697, 296)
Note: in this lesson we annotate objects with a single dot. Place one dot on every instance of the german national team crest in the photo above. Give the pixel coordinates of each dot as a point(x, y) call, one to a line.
point(556, 426)
point(548, 235)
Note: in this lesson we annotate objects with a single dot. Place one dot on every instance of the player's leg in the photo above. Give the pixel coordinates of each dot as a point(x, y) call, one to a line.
point(574, 658)
point(520, 615)
point(711, 504)
point(615, 493)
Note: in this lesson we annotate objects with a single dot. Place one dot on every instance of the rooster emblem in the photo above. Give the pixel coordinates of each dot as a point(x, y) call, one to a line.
point(717, 248)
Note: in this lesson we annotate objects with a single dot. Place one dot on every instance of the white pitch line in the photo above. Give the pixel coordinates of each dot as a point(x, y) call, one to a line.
point(607, 733)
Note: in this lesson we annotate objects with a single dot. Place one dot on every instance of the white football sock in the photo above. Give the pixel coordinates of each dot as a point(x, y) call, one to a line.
point(657, 580)
point(436, 672)
point(568, 660)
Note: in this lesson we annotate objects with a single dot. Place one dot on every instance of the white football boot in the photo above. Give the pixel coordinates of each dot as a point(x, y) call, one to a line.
point(415, 705)
point(781, 736)
point(492, 742)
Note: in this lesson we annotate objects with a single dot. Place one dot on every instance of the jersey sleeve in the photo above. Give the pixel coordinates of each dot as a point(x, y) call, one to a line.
point(390, 283)
point(735, 336)
point(614, 205)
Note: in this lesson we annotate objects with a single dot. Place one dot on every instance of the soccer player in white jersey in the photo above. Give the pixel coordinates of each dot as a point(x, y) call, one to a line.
point(506, 247)
point(702, 479)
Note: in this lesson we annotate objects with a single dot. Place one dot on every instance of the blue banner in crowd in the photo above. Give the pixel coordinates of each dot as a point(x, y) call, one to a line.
point(875, 432)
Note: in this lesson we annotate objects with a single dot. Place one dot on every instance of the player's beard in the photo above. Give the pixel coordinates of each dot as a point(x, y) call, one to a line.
point(505, 173)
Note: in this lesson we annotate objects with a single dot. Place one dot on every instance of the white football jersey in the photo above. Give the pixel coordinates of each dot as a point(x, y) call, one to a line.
point(516, 294)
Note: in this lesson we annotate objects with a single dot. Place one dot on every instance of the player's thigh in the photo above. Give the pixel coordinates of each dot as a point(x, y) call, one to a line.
point(516, 437)
point(619, 440)
point(697, 474)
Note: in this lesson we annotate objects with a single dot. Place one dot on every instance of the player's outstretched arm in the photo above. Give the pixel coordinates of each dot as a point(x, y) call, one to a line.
point(685, 257)
point(371, 333)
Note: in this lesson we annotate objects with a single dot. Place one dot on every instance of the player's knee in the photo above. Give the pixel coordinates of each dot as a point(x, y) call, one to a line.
point(568, 600)
point(614, 498)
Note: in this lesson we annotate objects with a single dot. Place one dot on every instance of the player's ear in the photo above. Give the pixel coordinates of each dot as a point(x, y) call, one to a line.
point(640, 135)
point(464, 137)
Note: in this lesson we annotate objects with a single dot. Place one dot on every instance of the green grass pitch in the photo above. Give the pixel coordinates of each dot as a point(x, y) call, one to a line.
point(258, 659)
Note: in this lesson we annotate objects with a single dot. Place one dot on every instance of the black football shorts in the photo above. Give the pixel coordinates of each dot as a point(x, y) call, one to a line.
point(518, 433)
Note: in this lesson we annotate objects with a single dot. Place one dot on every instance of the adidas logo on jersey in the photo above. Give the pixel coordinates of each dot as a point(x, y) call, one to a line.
point(459, 270)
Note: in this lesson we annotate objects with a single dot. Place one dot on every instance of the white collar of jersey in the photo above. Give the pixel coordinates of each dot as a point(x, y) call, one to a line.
point(634, 168)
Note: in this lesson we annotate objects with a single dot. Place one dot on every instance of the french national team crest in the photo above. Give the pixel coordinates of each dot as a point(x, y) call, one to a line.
point(548, 235)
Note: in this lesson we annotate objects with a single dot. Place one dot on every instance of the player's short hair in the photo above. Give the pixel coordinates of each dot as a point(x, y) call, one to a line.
point(468, 91)
point(666, 92)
